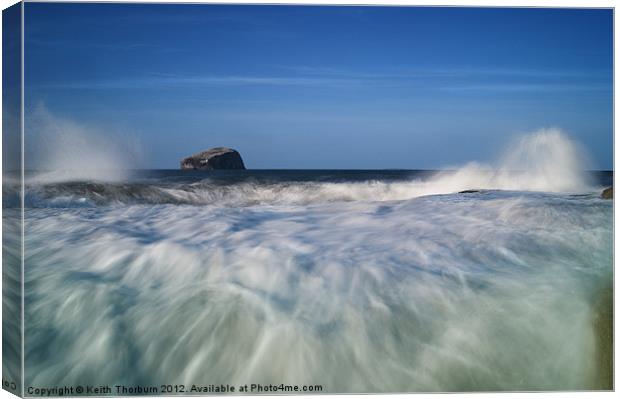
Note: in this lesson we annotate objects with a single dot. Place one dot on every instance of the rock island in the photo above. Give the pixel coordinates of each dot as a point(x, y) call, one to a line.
point(214, 158)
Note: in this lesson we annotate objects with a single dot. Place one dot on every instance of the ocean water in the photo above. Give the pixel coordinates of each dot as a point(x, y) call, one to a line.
point(360, 281)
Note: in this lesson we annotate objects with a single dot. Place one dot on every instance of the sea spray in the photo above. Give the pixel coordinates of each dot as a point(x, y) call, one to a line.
point(65, 150)
point(546, 160)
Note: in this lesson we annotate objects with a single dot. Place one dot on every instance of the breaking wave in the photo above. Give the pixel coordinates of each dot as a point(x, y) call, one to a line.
point(546, 161)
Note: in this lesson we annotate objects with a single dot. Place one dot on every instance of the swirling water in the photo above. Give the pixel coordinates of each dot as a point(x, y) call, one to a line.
point(361, 281)
point(322, 278)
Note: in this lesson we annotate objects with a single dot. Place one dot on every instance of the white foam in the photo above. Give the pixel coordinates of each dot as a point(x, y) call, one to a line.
point(435, 293)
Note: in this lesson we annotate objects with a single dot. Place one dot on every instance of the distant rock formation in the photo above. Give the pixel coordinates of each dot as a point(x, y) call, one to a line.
point(214, 158)
point(608, 193)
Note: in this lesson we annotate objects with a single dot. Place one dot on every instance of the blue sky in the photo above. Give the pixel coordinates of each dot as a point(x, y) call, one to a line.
point(323, 87)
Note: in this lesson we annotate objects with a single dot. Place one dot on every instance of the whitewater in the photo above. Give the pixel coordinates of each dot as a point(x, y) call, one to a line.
point(360, 281)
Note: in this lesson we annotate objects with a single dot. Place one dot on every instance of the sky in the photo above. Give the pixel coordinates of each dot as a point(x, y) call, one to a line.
point(321, 87)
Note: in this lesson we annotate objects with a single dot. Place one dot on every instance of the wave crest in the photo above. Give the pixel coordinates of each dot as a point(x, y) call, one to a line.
point(546, 160)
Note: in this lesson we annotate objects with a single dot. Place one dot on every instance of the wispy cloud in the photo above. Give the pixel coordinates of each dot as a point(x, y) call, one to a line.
point(508, 80)
point(156, 82)
point(413, 73)
point(521, 87)
point(376, 74)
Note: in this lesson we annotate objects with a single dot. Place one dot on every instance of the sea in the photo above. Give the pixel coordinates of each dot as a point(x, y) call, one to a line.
point(359, 281)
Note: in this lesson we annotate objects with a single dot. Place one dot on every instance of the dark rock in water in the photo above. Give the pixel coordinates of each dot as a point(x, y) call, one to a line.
point(608, 193)
point(214, 158)
point(469, 191)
